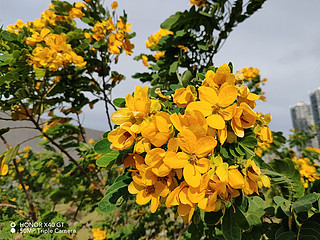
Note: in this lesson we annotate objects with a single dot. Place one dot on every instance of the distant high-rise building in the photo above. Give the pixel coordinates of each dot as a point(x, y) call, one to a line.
point(302, 118)
point(315, 105)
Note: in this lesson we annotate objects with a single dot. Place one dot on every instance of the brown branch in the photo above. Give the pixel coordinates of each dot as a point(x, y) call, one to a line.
point(81, 128)
point(82, 198)
point(53, 142)
point(14, 206)
point(29, 199)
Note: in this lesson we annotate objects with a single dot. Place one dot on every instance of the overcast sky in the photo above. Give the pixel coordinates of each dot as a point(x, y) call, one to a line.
point(282, 39)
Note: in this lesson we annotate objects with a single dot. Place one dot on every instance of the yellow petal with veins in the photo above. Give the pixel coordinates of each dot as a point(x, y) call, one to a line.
point(202, 106)
point(227, 95)
point(235, 179)
point(187, 141)
point(209, 95)
point(154, 204)
point(203, 165)
point(142, 197)
point(191, 175)
point(216, 121)
point(204, 146)
point(176, 160)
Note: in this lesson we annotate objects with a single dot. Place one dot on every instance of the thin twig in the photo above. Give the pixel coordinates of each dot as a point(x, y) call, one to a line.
point(29, 139)
point(53, 142)
point(14, 206)
point(83, 196)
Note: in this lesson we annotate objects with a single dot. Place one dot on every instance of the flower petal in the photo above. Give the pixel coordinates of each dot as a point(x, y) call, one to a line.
point(208, 94)
point(216, 121)
point(191, 175)
point(227, 95)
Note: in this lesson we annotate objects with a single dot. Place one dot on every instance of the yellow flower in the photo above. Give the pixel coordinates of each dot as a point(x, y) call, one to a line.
point(114, 44)
point(250, 73)
point(137, 109)
point(3, 168)
point(145, 61)
point(190, 118)
point(27, 149)
point(179, 196)
point(98, 234)
point(91, 141)
point(253, 178)
point(199, 3)
point(159, 55)
point(127, 46)
point(76, 13)
point(122, 137)
point(244, 117)
point(114, 5)
point(142, 145)
point(123, 27)
point(183, 96)
point(246, 96)
point(184, 48)
point(216, 107)
point(146, 193)
point(158, 130)
point(194, 142)
point(216, 79)
point(91, 167)
point(36, 37)
point(153, 40)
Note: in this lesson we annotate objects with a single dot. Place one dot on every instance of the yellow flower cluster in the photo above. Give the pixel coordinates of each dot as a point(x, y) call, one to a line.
point(98, 234)
point(264, 134)
point(317, 150)
point(250, 73)
point(53, 51)
point(306, 169)
point(153, 40)
point(174, 158)
point(76, 12)
point(117, 35)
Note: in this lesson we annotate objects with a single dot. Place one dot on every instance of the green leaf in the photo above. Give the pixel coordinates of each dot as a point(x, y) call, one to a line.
point(119, 102)
point(310, 230)
point(11, 154)
point(239, 150)
point(230, 230)
point(211, 218)
point(117, 190)
point(240, 219)
point(169, 22)
point(284, 173)
point(40, 72)
point(305, 203)
point(105, 159)
point(249, 141)
point(284, 204)
point(224, 152)
point(247, 150)
point(175, 86)
point(102, 146)
point(173, 67)
point(196, 230)
point(186, 78)
point(232, 151)
point(286, 236)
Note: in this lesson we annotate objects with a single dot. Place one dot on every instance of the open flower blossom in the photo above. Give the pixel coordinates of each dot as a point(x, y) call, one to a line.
point(175, 156)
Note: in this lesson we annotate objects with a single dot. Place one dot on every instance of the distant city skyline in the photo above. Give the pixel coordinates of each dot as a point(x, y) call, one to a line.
point(304, 115)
